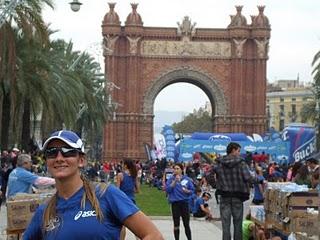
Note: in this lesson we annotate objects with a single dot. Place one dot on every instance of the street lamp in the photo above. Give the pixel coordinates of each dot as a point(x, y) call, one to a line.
point(75, 5)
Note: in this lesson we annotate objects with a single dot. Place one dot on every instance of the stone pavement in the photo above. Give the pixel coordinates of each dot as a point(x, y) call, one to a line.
point(200, 229)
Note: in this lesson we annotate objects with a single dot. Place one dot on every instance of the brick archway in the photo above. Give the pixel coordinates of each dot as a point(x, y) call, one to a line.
point(228, 64)
point(190, 75)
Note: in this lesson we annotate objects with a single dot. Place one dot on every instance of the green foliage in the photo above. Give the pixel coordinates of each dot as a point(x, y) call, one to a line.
point(153, 202)
point(200, 120)
point(310, 110)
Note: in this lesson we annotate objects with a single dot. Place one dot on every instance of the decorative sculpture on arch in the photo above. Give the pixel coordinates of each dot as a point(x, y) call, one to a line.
point(133, 44)
point(262, 47)
point(186, 29)
point(109, 44)
point(239, 46)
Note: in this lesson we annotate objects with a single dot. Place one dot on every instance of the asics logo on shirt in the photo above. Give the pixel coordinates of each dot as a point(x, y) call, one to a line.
point(85, 214)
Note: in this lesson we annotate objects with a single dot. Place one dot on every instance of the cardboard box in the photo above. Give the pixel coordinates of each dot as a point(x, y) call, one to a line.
point(307, 224)
point(304, 236)
point(21, 209)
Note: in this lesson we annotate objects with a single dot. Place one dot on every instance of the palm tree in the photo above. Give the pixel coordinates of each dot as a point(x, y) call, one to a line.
point(24, 20)
point(75, 80)
point(33, 65)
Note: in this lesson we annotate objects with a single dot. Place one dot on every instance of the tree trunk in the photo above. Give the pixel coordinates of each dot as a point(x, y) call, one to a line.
point(25, 134)
point(5, 121)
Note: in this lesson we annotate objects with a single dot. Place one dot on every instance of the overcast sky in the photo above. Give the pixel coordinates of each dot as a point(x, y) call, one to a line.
point(295, 34)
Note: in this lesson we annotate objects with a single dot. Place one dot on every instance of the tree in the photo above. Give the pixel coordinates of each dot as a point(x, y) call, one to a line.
point(200, 120)
point(311, 110)
point(24, 21)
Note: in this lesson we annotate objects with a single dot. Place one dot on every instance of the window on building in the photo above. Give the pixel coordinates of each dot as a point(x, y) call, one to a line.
point(281, 124)
point(293, 109)
point(293, 99)
point(281, 99)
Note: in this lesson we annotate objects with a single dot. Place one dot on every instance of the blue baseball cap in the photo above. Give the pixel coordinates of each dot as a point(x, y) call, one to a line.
point(69, 137)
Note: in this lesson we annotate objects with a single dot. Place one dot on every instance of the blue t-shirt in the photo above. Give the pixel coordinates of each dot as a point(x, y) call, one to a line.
point(76, 223)
point(20, 181)
point(258, 195)
point(128, 185)
point(192, 201)
point(198, 203)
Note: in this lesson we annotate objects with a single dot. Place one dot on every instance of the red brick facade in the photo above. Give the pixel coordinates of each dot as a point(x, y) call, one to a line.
point(229, 65)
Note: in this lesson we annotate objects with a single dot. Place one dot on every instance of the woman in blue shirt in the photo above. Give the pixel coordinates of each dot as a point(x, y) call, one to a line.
point(79, 210)
point(179, 189)
point(259, 188)
point(128, 183)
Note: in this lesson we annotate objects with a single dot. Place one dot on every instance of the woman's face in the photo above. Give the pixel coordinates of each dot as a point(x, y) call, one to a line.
point(177, 169)
point(62, 167)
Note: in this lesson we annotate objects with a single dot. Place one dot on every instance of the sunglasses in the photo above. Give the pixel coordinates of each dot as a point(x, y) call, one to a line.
point(66, 152)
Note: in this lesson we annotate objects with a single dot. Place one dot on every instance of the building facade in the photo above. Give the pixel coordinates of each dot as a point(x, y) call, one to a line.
point(284, 107)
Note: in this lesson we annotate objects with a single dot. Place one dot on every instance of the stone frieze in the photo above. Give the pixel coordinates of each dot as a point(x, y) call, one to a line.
point(217, 49)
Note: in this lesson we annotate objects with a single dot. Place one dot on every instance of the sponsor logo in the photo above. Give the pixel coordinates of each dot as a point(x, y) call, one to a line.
point(304, 150)
point(169, 131)
point(170, 137)
point(53, 224)
point(219, 147)
point(207, 147)
point(186, 155)
point(221, 137)
point(262, 148)
point(84, 214)
point(250, 148)
point(170, 148)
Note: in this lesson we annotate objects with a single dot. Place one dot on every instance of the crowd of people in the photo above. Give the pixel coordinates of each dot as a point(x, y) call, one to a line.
point(188, 187)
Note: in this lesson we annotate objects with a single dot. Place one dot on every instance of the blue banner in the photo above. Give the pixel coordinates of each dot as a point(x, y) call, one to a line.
point(169, 137)
point(302, 140)
point(278, 150)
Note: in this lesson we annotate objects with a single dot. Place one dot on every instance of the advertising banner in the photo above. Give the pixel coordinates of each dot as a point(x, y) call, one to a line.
point(302, 141)
point(169, 137)
point(278, 150)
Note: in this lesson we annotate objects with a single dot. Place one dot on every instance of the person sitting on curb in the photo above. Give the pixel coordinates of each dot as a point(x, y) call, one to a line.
point(201, 208)
point(251, 231)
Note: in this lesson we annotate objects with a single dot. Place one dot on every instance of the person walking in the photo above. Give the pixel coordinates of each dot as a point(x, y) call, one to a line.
point(233, 184)
point(21, 179)
point(179, 189)
point(128, 183)
point(79, 209)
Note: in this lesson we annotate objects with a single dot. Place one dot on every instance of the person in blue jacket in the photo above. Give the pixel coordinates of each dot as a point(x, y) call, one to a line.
point(80, 210)
point(179, 189)
point(128, 183)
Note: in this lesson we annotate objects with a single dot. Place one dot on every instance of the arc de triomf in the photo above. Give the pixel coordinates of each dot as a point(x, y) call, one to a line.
point(229, 65)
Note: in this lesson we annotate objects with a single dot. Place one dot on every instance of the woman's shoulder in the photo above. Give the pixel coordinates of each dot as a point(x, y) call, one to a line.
point(105, 190)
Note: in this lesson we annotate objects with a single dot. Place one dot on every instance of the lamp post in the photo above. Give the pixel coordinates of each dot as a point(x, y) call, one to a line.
point(75, 5)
